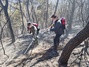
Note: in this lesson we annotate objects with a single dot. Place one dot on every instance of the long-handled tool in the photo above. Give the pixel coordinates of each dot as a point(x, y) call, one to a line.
point(29, 46)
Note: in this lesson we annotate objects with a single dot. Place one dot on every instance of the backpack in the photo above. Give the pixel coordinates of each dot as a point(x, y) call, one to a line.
point(35, 24)
point(63, 23)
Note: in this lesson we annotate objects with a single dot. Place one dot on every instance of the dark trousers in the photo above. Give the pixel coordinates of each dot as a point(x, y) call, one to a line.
point(56, 41)
point(38, 29)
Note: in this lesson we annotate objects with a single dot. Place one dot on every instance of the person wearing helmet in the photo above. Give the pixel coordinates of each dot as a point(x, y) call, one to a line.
point(33, 28)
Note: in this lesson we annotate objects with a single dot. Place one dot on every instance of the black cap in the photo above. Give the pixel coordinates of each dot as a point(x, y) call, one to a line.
point(53, 16)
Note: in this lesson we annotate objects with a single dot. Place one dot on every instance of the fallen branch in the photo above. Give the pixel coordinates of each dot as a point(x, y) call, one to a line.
point(3, 49)
point(1, 40)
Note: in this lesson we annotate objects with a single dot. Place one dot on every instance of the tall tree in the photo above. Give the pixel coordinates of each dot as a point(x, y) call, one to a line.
point(47, 1)
point(56, 7)
point(34, 16)
point(21, 17)
point(87, 13)
point(5, 9)
point(71, 15)
point(27, 8)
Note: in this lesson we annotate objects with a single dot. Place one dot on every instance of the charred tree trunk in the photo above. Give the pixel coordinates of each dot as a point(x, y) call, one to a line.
point(56, 7)
point(27, 8)
point(46, 14)
point(33, 19)
point(34, 16)
point(73, 43)
point(5, 9)
point(71, 16)
point(87, 12)
point(21, 17)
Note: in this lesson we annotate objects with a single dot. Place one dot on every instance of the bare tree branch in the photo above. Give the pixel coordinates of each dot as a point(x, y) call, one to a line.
point(1, 36)
point(1, 3)
point(1, 40)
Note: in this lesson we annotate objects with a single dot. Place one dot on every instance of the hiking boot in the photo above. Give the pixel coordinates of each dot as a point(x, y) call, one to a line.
point(53, 53)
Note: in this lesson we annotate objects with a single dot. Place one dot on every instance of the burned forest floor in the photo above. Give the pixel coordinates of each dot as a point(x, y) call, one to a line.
point(15, 56)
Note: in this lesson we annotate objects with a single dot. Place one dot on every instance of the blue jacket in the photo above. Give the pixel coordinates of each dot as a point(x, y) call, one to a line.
point(57, 28)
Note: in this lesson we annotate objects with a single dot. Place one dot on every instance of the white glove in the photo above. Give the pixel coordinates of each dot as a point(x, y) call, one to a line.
point(48, 29)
